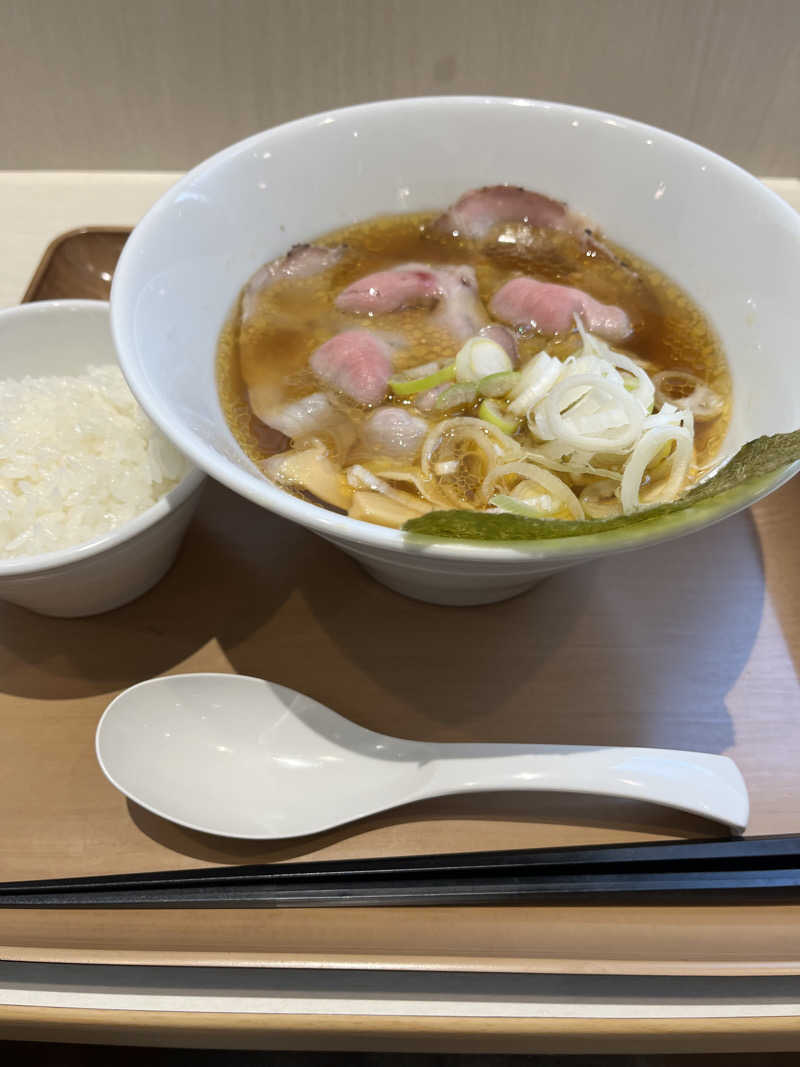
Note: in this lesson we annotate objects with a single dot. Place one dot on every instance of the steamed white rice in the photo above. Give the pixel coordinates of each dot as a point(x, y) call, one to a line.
point(78, 457)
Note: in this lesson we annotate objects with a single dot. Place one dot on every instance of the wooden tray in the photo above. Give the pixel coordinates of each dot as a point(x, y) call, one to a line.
point(690, 644)
point(78, 264)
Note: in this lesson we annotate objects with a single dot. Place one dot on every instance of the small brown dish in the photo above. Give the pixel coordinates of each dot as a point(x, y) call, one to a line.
point(80, 263)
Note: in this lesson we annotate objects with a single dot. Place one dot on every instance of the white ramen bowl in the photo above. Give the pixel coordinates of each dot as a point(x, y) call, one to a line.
point(730, 242)
point(64, 337)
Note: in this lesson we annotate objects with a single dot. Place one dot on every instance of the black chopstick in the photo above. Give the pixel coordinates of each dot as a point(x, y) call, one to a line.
point(416, 893)
point(719, 851)
point(511, 876)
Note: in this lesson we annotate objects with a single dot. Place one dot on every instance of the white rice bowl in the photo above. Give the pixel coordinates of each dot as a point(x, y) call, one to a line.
point(78, 457)
point(94, 503)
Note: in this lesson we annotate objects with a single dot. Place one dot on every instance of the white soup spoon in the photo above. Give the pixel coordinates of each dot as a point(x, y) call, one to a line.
point(241, 757)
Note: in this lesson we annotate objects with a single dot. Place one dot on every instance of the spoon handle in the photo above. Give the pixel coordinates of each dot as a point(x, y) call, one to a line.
point(707, 785)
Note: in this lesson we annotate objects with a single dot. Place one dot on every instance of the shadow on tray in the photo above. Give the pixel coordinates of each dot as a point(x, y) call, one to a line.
point(599, 654)
point(636, 649)
point(532, 808)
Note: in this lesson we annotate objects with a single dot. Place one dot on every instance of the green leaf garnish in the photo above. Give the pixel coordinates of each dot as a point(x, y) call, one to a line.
point(755, 460)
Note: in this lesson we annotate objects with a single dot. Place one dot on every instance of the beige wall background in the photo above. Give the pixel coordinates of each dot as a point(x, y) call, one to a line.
point(159, 84)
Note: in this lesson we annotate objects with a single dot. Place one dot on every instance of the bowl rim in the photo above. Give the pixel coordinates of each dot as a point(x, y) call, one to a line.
point(22, 566)
point(369, 536)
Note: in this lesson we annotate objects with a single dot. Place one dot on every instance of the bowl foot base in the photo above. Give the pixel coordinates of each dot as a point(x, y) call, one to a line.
point(448, 590)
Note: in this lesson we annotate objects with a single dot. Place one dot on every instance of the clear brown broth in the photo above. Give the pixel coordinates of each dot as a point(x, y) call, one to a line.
point(294, 315)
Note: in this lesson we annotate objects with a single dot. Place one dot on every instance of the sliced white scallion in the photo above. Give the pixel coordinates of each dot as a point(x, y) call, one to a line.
point(589, 343)
point(552, 455)
point(503, 444)
point(459, 395)
point(420, 371)
point(527, 509)
point(688, 392)
point(423, 486)
point(498, 385)
point(591, 364)
point(426, 377)
point(536, 379)
point(539, 424)
point(490, 411)
point(624, 415)
point(555, 488)
point(588, 416)
point(535, 483)
point(600, 498)
point(642, 387)
point(669, 415)
point(647, 449)
point(479, 357)
point(489, 439)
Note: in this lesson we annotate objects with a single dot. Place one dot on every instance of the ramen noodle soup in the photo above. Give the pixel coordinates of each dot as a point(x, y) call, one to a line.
point(500, 357)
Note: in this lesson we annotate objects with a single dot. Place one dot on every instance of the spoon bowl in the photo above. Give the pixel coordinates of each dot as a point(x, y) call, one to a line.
point(242, 757)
